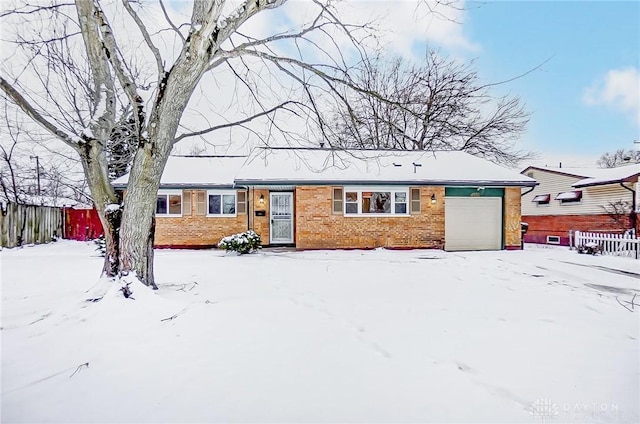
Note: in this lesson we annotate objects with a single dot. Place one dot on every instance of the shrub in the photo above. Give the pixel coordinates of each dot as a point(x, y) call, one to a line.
point(102, 245)
point(242, 243)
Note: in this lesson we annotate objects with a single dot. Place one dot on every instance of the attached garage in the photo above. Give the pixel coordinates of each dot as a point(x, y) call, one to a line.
point(473, 223)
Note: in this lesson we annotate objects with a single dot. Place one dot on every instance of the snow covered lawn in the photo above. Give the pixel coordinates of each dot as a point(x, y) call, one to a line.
point(324, 336)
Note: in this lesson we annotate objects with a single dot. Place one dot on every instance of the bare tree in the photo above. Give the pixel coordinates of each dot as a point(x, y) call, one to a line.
point(88, 73)
point(620, 212)
point(619, 157)
point(435, 105)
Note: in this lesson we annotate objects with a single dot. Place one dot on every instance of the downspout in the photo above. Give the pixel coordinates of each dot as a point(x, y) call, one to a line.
point(521, 233)
point(527, 192)
point(632, 215)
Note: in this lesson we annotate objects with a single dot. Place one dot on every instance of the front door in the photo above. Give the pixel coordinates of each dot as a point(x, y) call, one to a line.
point(281, 214)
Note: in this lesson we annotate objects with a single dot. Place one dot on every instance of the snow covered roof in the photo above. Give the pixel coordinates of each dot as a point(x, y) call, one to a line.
point(278, 166)
point(610, 175)
point(594, 176)
point(309, 166)
point(195, 171)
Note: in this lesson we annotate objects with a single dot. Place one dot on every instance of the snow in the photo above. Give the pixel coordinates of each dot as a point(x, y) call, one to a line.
point(288, 166)
point(609, 175)
point(380, 166)
point(595, 176)
point(112, 207)
point(326, 336)
point(569, 195)
point(192, 171)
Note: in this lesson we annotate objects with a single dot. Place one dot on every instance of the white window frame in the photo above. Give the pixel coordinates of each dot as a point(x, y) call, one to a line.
point(553, 239)
point(168, 193)
point(222, 193)
point(391, 189)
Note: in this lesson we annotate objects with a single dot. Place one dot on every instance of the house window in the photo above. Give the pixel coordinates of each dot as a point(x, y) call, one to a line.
point(337, 201)
point(401, 202)
point(242, 202)
point(553, 240)
point(542, 199)
point(376, 201)
point(415, 200)
point(169, 203)
point(369, 201)
point(569, 196)
point(351, 202)
point(221, 203)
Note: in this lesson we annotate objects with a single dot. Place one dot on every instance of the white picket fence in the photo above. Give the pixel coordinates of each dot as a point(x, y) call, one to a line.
point(626, 245)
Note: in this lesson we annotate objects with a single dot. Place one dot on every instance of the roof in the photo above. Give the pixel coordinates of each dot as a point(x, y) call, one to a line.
point(610, 176)
point(309, 166)
point(595, 176)
point(290, 166)
point(196, 171)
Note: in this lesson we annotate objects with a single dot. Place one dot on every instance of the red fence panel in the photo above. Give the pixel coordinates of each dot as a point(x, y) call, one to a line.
point(81, 224)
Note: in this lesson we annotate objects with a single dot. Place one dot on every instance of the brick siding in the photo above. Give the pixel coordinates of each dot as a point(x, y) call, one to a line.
point(192, 230)
point(512, 233)
point(315, 227)
point(318, 228)
point(559, 225)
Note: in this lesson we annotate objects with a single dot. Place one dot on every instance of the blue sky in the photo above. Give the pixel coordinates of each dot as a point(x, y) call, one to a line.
point(584, 100)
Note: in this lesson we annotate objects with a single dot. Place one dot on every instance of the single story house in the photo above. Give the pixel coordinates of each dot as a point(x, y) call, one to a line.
point(584, 199)
point(324, 198)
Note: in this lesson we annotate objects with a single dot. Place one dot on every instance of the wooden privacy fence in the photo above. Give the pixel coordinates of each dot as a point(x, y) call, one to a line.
point(611, 244)
point(29, 224)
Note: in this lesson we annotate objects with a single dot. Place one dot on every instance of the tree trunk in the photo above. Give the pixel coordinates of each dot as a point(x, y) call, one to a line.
point(95, 170)
point(138, 220)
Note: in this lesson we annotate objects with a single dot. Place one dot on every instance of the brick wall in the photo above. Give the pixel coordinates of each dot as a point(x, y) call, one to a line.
point(192, 230)
point(260, 224)
point(559, 225)
point(317, 227)
point(512, 234)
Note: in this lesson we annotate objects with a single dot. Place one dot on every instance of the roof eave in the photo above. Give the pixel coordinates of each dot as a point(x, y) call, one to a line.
point(459, 183)
point(553, 171)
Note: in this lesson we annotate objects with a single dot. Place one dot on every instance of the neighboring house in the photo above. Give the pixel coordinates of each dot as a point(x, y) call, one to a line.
point(584, 199)
point(322, 198)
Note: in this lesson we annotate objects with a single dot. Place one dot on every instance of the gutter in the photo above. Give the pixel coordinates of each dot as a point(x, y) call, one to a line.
point(472, 183)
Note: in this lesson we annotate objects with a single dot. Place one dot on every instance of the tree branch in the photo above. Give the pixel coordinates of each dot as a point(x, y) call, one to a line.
point(27, 108)
point(146, 36)
point(236, 123)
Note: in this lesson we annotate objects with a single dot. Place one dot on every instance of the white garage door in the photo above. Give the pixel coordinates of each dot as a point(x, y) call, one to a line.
point(473, 223)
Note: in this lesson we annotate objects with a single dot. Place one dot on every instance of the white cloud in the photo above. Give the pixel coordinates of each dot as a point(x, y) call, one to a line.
point(406, 23)
point(618, 89)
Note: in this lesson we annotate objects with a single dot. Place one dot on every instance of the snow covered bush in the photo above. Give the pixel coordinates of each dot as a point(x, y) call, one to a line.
point(242, 243)
point(102, 245)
